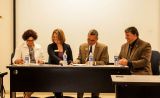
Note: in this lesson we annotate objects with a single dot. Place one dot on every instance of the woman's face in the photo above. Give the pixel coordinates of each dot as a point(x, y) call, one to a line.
point(56, 39)
point(30, 42)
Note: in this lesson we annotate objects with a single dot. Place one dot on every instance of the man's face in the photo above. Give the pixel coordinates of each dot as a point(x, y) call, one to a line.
point(92, 39)
point(130, 37)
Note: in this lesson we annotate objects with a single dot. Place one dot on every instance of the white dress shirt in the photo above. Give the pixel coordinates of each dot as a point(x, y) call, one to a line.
point(93, 48)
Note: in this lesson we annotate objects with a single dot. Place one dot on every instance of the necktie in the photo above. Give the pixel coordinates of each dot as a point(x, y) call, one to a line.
point(129, 52)
point(90, 49)
point(31, 54)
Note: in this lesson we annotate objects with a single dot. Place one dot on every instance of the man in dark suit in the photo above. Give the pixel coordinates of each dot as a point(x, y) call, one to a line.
point(135, 53)
point(100, 54)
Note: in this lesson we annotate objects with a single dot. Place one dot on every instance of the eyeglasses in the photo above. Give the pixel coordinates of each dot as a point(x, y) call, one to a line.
point(30, 40)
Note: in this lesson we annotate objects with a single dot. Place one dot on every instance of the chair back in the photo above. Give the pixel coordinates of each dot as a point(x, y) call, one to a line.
point(155, 62)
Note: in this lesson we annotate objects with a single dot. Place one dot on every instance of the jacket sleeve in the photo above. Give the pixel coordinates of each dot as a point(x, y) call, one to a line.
point(104, 59)
point(17, 54)
point(144, 58)
point(52, 55)
point(69, 54)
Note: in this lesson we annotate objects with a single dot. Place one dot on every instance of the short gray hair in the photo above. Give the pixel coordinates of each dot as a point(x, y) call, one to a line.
point(93, 32)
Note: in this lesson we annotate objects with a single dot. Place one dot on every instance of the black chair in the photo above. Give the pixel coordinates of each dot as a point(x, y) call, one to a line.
point(2, 90)
point(155, 62)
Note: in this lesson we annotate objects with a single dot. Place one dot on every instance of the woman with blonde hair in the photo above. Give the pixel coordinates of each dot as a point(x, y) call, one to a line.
point(56, 50)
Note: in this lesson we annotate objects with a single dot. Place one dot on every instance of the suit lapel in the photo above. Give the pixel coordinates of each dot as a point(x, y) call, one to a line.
point(134, 49)
point(86, 49)
point(96, 51)
point(126, 51)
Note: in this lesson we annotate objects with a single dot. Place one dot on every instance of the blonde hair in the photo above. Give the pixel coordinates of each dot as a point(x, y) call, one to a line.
point(60, 34)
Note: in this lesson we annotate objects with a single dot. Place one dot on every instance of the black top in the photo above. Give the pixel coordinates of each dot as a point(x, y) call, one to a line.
point(132, 45)
point(53, 54)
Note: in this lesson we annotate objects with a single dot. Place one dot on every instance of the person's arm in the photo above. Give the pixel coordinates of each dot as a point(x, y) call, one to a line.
point(142, 60)
point(144, 57)
point(69, 54)
point(79, 59)
point(52, 55)
point(17, 59)
point(104, 59)
point(122, 60)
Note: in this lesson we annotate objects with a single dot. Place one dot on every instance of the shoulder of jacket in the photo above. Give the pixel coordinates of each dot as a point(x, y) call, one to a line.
point(23, 45)
point(66, 44)
point(140, 42)
point(84, 44)
point(101, 44)
point(124, 45)
point(37, 45)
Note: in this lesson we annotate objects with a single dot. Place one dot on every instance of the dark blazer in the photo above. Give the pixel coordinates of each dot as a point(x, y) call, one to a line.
point(53, 55)
point(101, 56)
point(140, 57)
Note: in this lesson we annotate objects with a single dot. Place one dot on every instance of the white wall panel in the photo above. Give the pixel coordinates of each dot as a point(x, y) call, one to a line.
point(77, 17)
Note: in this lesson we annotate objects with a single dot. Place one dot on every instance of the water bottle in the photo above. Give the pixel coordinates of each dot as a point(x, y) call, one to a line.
point(27, 59)
point(90, 59)
point(65, 58)
point(115, 60)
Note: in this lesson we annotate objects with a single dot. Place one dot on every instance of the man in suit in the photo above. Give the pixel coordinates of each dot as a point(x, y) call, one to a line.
point(135, 53)
point(99, 51)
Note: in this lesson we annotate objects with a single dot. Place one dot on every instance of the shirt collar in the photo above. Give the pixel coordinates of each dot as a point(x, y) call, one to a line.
point(133, 43)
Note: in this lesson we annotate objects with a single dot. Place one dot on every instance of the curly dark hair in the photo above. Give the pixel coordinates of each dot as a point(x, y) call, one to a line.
point(29, 33)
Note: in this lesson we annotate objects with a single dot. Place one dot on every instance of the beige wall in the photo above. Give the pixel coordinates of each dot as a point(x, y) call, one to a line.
point(77, 17)
point(5, 37)
point(76, 20)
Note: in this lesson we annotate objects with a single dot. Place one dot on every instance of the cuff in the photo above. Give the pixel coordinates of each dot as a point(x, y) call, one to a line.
point(129, 64)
